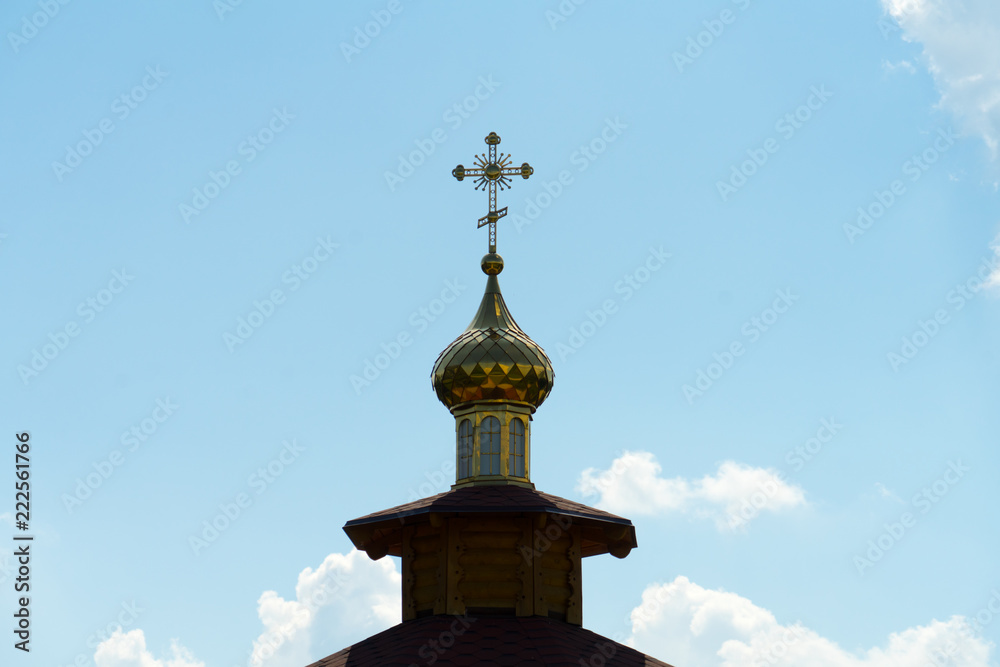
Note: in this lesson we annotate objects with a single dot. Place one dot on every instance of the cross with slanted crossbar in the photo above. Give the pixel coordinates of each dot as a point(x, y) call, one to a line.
point(493, 172)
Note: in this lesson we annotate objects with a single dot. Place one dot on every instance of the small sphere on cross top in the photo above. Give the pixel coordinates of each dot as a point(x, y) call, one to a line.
point(492, 264)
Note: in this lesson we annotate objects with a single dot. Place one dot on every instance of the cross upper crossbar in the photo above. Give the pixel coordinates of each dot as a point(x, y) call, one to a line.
point(490, 172)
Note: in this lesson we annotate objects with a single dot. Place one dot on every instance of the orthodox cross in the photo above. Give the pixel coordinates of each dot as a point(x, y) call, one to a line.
point(492, 172)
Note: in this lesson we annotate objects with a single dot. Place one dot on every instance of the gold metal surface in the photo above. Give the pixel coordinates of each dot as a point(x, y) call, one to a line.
point(492, 264)
point(493, 359)
point(493, 372)
point(505, 413)
point(491, 172)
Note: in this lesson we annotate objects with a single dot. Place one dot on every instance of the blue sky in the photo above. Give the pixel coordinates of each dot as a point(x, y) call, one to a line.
point(760, 246)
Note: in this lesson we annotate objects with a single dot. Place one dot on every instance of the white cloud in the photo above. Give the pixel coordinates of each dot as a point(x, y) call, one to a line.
point(884, 492)
point(994, 279)
point(346, 598)
point(685, 624)
point(128, 649)
point(902, 65)
point(961, 42)
point(734, 495)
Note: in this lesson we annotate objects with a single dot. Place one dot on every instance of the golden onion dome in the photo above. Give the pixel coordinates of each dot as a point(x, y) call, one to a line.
point(493, 359)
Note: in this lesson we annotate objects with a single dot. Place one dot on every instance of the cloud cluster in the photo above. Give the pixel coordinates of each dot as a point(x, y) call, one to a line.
point(994, 280)
point(685, 624)
point(349, 597)
point(961, 46)
point(346, 598)
point(735, 494)
point(128, 649)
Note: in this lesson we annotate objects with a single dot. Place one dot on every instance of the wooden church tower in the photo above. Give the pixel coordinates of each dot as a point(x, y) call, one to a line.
point(492, 568)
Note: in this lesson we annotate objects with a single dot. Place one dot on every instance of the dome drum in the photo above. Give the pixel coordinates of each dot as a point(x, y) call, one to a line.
point(492, 378)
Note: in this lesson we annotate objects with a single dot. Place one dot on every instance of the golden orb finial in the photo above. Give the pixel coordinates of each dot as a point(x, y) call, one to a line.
point(492, 264)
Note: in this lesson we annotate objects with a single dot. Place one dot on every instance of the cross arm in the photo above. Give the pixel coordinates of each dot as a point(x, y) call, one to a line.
point(493, 216)
point(524, 171)
point(461, 172)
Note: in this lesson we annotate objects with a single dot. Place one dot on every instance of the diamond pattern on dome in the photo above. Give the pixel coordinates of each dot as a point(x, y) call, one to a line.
point(494, 365)
point(493, 359)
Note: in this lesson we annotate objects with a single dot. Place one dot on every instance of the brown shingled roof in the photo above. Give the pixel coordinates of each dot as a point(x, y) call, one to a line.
point(381, 533)
point(488, 641)
point(500, 498)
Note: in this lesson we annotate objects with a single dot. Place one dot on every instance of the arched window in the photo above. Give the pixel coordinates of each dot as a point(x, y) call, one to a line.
point(517, 448)
point(489, 446)
point(465, 449)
